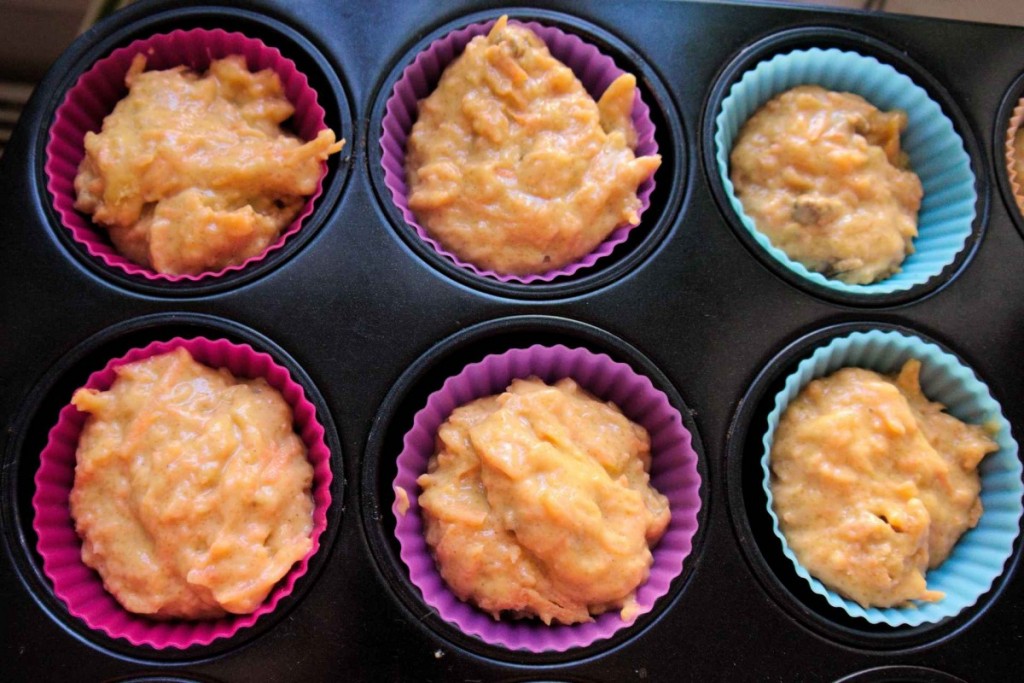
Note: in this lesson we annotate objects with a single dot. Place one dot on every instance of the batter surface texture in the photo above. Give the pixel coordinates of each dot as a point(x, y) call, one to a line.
point(192, 490)
point(193, 173)
point(873, 484)
point(822, 175)
point(538, 503)
point(513, 167)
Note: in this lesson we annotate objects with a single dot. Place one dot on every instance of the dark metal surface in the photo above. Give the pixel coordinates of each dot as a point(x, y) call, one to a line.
point(355, 306)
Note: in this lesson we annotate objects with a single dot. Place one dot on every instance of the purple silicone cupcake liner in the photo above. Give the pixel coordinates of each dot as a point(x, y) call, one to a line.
point(99, 89)
point(595, 71)
point(78, 586)
point(673, 473)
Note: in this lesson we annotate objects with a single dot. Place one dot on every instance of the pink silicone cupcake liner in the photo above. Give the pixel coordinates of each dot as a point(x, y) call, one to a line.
point(80, 587)
point(1016, 183)
point(673, 473)
point(594, 70)
point(99, 89)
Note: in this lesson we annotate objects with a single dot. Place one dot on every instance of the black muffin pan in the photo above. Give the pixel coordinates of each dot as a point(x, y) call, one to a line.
point(370, 321)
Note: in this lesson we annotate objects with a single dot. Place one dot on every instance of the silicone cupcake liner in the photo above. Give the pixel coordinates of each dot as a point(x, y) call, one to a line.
point(81, 588)
point(1016, 183)
point(99, 89)
point(673, 473)
point(935, 150)
point(594, 70)
point(979, 556)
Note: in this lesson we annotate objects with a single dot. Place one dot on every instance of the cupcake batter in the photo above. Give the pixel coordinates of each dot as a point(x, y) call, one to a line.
point(822, 176)
point(513, 167)
point(192, 490)
point(538, 503)
point(193, 173)
point(874, 484)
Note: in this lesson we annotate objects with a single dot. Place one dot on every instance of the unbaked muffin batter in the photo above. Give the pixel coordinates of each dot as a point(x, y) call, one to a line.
point(513, 167)
point(192, 490)
point(874, 484)
point(193, 173)
point(538, 503)
point(822, 175)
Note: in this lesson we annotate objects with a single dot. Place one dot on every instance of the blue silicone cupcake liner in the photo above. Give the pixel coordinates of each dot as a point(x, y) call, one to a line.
point(935, 150)
point(978, 558)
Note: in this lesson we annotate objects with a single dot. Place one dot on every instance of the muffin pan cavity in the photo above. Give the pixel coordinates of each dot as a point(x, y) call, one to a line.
point(900, 674)
point(596, 57)
point(973, 574)
point(482, 361)
point(937, 141)
point(42, 470)
point(191, 37)
point(371, 321)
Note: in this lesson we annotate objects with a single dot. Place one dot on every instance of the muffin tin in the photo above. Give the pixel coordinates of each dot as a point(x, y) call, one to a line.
point(369, 323)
